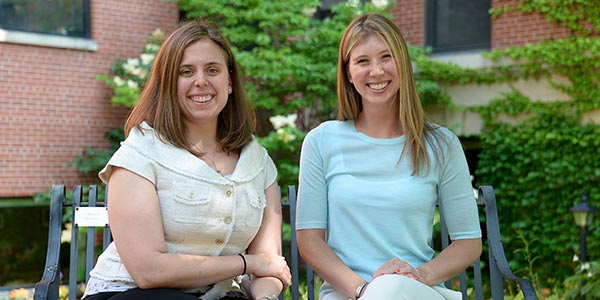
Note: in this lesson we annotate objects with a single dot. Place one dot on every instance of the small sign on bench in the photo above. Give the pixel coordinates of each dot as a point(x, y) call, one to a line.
point(91, 217)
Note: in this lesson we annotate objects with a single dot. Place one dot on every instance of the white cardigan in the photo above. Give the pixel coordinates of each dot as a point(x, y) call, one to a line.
point(203, 212)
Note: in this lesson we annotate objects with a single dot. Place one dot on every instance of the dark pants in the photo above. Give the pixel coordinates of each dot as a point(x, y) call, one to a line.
point(150, 294)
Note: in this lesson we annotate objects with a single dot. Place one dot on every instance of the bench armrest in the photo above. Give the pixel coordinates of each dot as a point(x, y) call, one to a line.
point(47, 287)
point(499, 268)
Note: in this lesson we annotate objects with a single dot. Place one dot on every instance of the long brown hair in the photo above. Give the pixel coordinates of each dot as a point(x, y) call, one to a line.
point(158, 103)
point(418, 133)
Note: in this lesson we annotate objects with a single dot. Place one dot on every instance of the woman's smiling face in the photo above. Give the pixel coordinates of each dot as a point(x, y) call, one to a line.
point(203, 84)
point(372, 71)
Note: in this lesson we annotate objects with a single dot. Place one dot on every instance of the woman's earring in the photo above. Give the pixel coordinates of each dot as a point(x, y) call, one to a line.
point(230, 90)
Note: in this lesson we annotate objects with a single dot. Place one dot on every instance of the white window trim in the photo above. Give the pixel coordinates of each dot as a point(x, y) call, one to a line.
point(467, 59)
point(46, 40)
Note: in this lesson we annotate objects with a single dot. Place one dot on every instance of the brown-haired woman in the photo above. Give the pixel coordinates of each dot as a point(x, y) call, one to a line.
point(193, 200)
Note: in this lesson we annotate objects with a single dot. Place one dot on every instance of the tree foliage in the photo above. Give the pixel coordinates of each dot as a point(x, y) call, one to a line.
point(289, 60)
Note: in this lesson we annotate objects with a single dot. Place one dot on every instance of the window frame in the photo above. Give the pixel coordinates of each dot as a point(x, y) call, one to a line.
point(77, 42)
point(86, 24)
point(430, 33)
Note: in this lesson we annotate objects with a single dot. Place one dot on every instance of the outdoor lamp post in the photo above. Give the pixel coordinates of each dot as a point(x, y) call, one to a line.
point(583, 214)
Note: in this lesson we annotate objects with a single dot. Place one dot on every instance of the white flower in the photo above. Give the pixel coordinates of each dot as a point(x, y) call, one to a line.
point(284, 136)
point(133, 62)
point(353, 3)
point(585, 266)
point(309, 11)
point(118, 81)
point(143, 74)
point(158, 33)
point(380, 3)
point(152, 48)
point(288, 138)
point(132, 66)
point(283, 121)
point(589, 274)
point(146, 58)
point(132, 84)
point(277, 121)
point(575, 258)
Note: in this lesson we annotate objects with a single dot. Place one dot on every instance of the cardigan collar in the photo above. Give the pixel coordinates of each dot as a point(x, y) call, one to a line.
point(146, 141)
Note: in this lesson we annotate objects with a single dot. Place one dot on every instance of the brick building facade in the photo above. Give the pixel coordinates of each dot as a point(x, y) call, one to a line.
point(511, 29)
point(52, 106)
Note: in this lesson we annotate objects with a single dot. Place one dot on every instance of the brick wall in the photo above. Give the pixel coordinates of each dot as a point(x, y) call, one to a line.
point(511, 29)
point(51, 105)
point(517, 28)
point(409, 15)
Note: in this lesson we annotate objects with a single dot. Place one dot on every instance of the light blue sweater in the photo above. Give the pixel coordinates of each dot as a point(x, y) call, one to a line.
point(373, 209)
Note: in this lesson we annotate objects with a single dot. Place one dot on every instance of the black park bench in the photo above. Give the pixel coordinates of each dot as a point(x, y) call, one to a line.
point(91, 215)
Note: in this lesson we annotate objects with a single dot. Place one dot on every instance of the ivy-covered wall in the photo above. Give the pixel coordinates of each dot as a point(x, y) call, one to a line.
point(543, 160)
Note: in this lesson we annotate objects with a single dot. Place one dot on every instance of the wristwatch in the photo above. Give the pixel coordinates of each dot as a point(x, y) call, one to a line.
point(268, 297)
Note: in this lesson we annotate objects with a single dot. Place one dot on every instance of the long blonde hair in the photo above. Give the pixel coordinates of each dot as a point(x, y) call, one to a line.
point(158, 104)
point(418, 133)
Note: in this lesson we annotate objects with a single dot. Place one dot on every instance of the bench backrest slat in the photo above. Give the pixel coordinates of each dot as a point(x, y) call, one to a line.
point(74, 249)
point(89, 245)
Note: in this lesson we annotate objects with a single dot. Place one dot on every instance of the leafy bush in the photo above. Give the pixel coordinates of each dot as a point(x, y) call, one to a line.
point(540, 162)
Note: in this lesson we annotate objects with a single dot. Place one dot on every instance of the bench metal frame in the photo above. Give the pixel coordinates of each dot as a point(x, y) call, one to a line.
point(47, 288)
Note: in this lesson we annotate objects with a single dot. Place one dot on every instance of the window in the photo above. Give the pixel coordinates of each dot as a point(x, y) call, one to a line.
point(453, 25)
point(56, 17)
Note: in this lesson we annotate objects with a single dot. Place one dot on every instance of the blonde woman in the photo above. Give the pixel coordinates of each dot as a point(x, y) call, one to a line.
point(369, 181)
